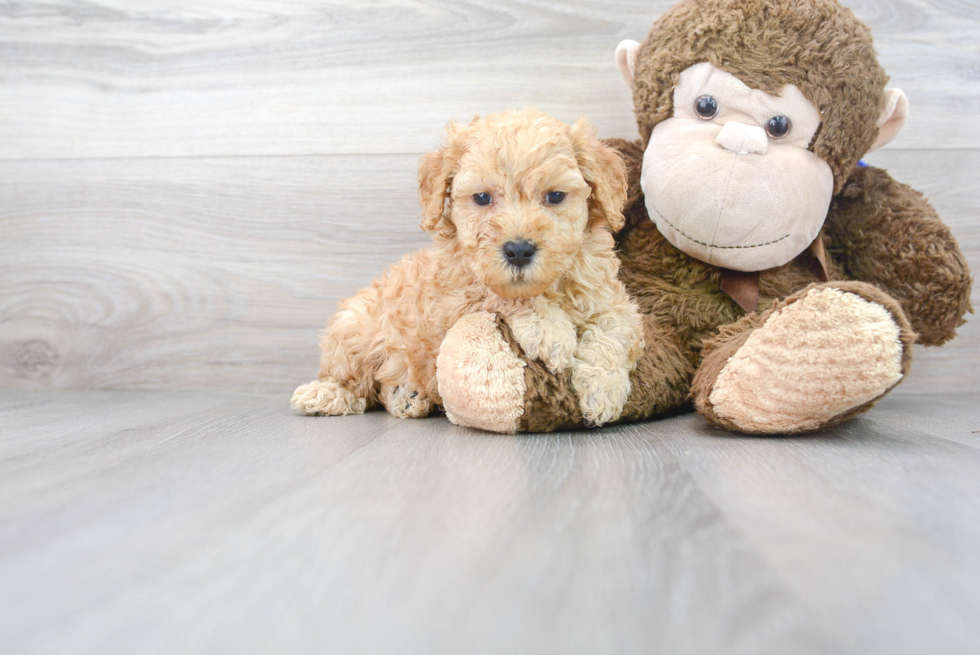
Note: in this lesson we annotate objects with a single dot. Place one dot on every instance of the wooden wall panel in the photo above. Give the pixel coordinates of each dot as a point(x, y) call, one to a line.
point(111, 78)
point(187, 189)
point(163, 273)
point(203, 272)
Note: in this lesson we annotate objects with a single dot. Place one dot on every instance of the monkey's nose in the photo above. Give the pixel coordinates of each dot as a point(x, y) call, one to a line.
point(743, 139)
point(519, 253)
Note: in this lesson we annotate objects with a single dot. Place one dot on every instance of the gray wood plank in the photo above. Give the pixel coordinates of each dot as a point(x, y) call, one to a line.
point(161, 522)
point(169, 273)
point(173, 273)
point(114, 79)
point(899, 477)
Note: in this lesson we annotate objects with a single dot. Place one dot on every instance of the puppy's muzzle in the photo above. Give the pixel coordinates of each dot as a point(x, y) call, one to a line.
point(519, 253)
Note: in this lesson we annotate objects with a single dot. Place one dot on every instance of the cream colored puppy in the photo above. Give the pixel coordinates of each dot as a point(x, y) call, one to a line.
point(520, 206)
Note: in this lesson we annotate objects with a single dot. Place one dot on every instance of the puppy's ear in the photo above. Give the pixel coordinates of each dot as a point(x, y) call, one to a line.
point(604, 170)
point(436, 171)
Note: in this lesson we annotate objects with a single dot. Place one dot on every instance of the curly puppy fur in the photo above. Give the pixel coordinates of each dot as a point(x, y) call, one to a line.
point(566, 307)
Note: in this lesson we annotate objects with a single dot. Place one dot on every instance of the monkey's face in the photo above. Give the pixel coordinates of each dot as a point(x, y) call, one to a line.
point(729, 180)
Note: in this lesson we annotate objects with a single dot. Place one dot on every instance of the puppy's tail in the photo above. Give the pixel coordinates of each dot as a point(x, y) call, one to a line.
point(351, 350)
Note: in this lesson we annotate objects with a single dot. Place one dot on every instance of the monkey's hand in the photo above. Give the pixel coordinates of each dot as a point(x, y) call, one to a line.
point(885, 233)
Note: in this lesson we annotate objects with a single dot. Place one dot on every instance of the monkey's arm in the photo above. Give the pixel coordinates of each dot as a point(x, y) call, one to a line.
point(886, 233)
point(487, 382)
point(659, 385)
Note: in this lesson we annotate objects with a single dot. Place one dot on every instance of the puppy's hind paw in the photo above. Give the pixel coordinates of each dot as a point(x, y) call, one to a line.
point(405, 401)
point(327, 398)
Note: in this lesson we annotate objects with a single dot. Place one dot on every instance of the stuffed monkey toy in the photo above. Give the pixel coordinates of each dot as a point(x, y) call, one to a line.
point(782, 281)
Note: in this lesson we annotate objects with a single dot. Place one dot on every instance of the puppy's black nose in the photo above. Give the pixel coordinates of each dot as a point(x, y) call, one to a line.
point(519, 253)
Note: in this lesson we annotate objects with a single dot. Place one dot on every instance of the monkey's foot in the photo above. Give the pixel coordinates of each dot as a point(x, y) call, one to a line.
point(481, 376)
point(328, 398)
point(405, 401)
point(818, 358)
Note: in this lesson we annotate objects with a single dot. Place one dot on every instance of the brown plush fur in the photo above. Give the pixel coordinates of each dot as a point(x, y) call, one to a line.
point(660, 384)
point(889, 235)
point(566, 306)
point(878, 231)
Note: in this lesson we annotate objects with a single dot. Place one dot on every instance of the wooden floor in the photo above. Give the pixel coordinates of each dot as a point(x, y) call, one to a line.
point(203, 522)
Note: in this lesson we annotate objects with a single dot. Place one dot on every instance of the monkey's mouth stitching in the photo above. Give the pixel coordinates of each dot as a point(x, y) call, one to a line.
point(709, 245)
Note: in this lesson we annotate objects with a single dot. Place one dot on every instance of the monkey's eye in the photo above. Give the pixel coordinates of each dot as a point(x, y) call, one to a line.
point(555, 197)
point(778, 126)
point(482, 199)
point(707, 107)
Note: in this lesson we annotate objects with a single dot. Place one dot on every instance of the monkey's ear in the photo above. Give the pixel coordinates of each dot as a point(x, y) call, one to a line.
point(603, 168)
point(436, 170)
point(894, 113)
point(626, 60)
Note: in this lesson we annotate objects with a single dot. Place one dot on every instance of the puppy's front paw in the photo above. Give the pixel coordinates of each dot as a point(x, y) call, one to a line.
point(405, 401)
point(602, 392)
point(551, 341)
point(562, 354)
point(328, 398)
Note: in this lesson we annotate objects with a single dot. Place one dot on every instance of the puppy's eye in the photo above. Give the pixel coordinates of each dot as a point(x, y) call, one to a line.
point(482, 199)
point(778, 126)
point(555, 197)
point(706, 107)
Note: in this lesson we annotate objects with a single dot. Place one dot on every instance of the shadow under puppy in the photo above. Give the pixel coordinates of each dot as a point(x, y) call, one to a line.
point(521, 207)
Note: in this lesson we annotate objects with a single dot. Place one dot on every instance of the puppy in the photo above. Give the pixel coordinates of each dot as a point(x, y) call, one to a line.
point(521, 208)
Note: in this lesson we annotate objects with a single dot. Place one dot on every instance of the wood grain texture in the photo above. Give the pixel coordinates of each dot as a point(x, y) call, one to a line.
point(163, 224)
point(109, 78)
point(183, 522)
point(189, 272)
point(219, 272)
